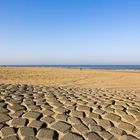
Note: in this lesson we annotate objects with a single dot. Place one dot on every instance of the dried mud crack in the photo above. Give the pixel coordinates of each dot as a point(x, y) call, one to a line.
point(30, 112)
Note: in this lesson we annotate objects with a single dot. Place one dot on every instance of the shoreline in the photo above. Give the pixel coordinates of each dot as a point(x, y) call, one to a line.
point(71, 68)
point(83, 67)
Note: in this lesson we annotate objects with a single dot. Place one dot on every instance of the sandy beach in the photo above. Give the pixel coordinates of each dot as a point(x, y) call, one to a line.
point(69, 104)
point(71, 77)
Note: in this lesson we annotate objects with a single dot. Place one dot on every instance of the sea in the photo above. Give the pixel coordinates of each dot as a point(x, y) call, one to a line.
point(102, 67)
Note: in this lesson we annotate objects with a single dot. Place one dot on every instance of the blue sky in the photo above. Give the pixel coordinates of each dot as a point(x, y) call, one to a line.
point(69, 32)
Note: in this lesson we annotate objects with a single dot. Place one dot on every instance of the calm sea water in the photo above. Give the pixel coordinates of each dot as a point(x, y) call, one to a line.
point(108, 67)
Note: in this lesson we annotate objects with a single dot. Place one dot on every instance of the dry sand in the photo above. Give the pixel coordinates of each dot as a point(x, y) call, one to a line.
point(69, 104)
point(71, 77)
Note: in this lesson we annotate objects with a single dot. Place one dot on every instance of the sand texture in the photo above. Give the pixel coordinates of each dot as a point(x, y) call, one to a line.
point(69, 104)
point(71, 77)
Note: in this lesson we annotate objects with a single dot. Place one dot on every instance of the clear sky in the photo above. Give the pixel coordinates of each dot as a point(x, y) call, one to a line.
point(69, 31)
